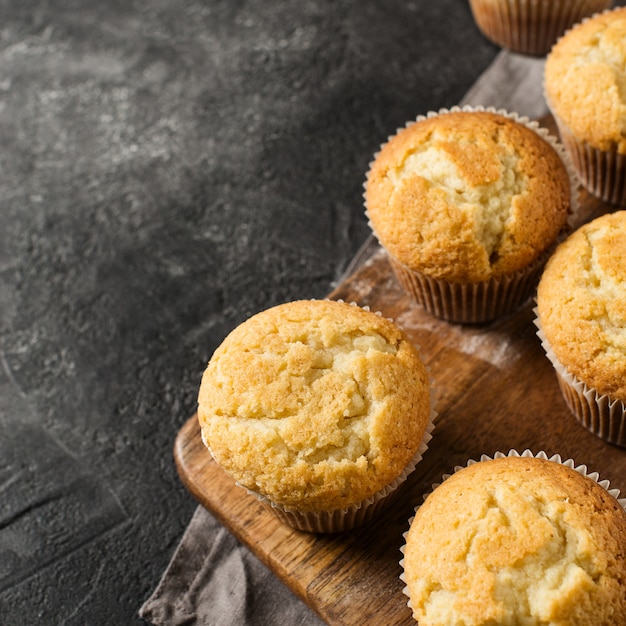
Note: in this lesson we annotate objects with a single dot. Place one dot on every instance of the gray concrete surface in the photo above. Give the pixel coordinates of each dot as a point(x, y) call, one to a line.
point(166, 170)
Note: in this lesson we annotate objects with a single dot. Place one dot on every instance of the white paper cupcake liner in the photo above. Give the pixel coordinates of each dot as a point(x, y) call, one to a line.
point(527, 26)
point(358, 514)
point(598, 413)
point(555, 458)
point(486, 300)
point(601, 172)
point(471, 303)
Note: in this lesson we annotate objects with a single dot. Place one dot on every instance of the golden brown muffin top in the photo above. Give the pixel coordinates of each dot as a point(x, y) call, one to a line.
point(315, 404)
point(581, 304)
point(585, 80)
point(467, 195)
point(518, 540)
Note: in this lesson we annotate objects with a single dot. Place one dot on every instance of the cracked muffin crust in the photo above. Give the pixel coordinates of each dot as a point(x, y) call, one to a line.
point(585, 80)
point(581, 304)
point(517, 540)
point(463, 196)
point(315, 404)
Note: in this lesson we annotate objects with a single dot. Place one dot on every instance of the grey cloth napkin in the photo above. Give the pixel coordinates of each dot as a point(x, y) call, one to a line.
point(512, 82)
point(212, 579)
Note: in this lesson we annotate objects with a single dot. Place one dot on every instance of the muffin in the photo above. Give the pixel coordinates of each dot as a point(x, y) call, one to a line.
point(319, 407)
point(584, 80)
point(468, 203)
point(531, 26)
point(581, 316)
point(517, 540)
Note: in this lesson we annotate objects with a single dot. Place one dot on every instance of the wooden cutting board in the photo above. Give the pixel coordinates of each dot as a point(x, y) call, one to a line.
point(495, 391)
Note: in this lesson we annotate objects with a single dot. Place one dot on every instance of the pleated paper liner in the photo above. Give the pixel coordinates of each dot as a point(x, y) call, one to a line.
point(601, 172)
point(471, 303)
point(603, 416)
point(530, 26)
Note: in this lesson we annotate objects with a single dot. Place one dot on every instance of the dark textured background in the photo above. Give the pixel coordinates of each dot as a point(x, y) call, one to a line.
point(167, 169)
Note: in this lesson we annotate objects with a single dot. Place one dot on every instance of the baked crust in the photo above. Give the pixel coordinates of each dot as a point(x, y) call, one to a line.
point(585, 80)
point(315, 404)
point(466, 195)
point(518, 540)
point(581, 304)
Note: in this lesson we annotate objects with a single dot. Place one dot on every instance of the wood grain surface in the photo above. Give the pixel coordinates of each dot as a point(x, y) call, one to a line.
point(495, 391)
